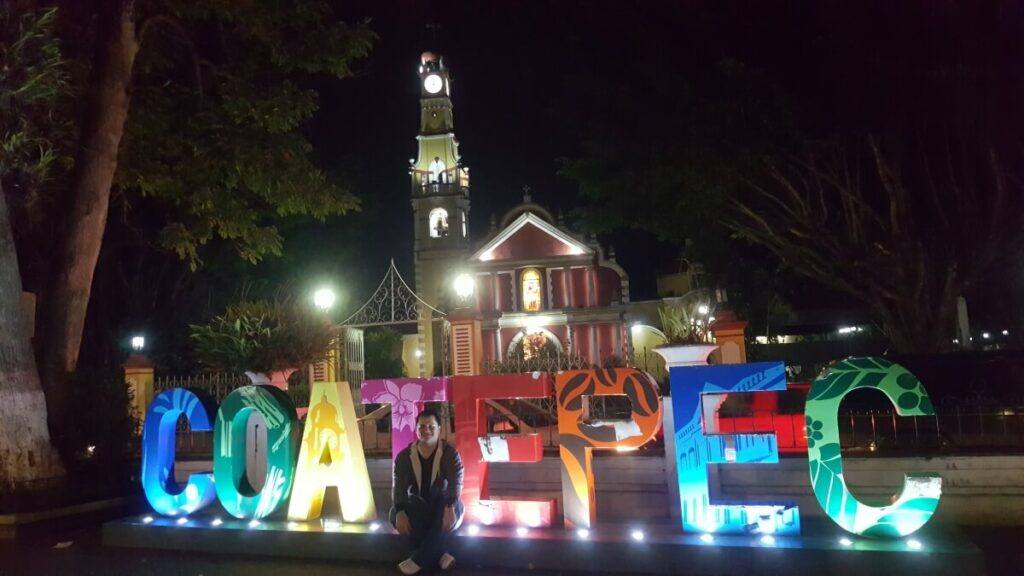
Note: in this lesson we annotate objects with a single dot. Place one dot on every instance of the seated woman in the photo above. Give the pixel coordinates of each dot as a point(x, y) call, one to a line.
point(426, 496)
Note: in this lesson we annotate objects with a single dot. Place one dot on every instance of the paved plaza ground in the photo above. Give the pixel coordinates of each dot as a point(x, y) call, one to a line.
point(50, 554)
point(37, 556)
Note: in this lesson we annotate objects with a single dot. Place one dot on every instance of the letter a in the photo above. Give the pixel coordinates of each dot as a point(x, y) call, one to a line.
point(331, 454)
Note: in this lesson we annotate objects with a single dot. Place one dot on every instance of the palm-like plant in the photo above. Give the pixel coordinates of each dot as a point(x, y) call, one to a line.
point(687, 319)
point(262, 337)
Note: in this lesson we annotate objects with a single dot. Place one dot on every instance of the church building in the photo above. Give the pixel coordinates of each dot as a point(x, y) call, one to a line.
point(539, 290)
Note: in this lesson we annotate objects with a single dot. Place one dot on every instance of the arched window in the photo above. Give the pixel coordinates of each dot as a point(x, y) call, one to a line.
point(438, 223)
point(436, 171)
point(532, 294)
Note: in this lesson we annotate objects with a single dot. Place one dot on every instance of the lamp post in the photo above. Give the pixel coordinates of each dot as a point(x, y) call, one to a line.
point(466, 338)
point(324, 299)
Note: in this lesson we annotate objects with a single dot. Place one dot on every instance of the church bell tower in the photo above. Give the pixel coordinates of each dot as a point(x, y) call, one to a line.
point(440, 196)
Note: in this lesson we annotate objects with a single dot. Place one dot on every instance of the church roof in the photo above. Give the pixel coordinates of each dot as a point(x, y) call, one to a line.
point(530, 235)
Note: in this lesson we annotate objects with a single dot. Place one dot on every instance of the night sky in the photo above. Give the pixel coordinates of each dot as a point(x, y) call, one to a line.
point(519, 108)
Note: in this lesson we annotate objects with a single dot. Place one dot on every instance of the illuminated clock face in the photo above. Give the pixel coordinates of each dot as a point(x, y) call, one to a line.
point(433, 83)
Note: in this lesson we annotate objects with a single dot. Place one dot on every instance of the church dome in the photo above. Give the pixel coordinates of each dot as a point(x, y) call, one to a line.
point(527, 205)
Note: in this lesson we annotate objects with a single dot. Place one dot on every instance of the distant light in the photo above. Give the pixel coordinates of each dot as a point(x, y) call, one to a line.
point(637, 535)
point(374, 526)
point(711, 319)
point(707, 538)
point(768, 540)
point(956, 340)
point(147, 519)
point(138, 343)
point(183, 520)
point(254, 523)
point(90, 449)
point(216, 522)
point(472, 530)
point(464, 286)
point(583, 533)
point(522, 531)
point(332, 524)
point(324, 298)
point(1006, 332)
point(293, 525)
point(986, 335)
point(703, 309)
point(846, 542)
point(914, 544)
point(419, 353)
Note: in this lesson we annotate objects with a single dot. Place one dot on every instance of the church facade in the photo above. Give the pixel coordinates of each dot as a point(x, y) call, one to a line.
point(539, 289)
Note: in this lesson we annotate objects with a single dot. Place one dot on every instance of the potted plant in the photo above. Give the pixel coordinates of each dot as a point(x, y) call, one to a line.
point(265, 340)
point(686, 322)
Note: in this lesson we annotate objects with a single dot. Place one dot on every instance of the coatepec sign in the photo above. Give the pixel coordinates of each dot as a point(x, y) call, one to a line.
point(328, 452)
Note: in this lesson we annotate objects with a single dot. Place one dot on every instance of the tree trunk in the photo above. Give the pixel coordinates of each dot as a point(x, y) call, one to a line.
point(64, 307)
point(26, 455)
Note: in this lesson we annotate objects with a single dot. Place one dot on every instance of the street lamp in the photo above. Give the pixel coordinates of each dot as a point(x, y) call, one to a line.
point(138, 342)
point(464, 286)
point(324, 299)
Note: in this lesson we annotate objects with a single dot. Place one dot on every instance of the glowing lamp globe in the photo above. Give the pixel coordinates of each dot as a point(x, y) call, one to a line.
point(324, 298)
point(464, 286)
point(138, 343)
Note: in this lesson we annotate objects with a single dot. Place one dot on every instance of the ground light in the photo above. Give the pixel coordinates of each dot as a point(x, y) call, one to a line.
point(914, 544)
point(768, 540)
point(254, 523)
point(846, 541)
point(637, 535)
point(332, 524)
point(293, 525)
point(216, 522)
point(472, 530)
point(374, 526)
point(147, 519)
point(522, 531)
point(182, 521)
point(583, 533)
point(707, 538)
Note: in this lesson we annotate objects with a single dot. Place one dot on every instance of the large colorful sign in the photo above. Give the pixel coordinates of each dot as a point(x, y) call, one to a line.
point(578, 438)
point(694, 390)
point(920, 495)
point(331, 453)
point(478, 448)
point(406, 396)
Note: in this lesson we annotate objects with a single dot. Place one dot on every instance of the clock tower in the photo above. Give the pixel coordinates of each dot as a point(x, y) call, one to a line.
point(440, 195)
